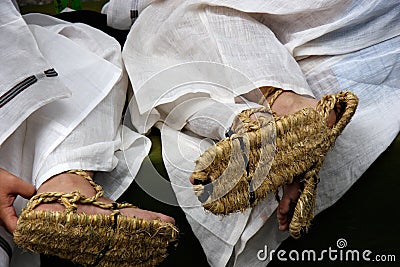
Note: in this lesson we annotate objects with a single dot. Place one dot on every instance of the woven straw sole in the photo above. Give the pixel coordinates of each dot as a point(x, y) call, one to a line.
point(302, 141)
point(84, 238)
point(92, 240)
point(229, 168)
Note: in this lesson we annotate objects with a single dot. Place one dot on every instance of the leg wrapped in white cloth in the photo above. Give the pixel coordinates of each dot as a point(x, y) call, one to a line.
point(82, 131)
point(311, 48)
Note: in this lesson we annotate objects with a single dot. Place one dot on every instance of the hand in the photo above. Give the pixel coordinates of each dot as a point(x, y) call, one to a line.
point(10, 187)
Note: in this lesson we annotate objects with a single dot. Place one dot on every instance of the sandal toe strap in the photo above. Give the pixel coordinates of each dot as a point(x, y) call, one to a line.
point(72, 199)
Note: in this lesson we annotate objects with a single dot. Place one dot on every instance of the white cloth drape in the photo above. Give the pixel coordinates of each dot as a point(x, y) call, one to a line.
point(68, 121)
point(174, 54)
point(121, 14)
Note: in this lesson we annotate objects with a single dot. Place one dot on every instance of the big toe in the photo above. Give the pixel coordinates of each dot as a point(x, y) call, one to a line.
point(330, 122)
point(147, 215)
point(284, 206)
point(283, 214)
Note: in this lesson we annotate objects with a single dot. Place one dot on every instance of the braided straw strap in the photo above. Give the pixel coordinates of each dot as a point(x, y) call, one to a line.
point(270, 92)
point(70, 200)
point(344, 104)
point(301, 141)
point(106, 240)
point(236, 164)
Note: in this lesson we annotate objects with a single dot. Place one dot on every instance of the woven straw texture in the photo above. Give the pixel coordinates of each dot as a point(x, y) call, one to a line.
point(262, 155)
point(93, 240)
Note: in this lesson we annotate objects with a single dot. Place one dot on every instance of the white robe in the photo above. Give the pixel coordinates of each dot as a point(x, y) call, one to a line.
point(71, 120)
point(180, 52)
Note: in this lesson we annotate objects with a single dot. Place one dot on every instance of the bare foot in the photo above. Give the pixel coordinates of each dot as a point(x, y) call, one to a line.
point(287, 103)
point(287, 204)
point(68, 182)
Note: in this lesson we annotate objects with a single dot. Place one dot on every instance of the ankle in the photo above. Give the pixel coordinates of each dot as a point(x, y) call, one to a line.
point(67, 182)
point(289, 102)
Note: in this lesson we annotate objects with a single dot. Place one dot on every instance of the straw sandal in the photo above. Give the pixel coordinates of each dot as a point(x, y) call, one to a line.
point(259, 156)
point(93, 240)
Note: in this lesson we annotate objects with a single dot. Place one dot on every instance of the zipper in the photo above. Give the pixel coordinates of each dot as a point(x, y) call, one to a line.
point(21, 86)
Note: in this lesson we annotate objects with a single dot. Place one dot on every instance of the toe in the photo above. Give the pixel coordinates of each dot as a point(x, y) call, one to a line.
point(283, 223)
point(330, 122)
point(284, 206)
point(166, 218)
point(147, 215)
point(283, 226)
point(283, 213)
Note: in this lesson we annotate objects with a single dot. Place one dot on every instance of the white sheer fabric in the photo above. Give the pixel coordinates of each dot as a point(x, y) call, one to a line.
point(122, 13)
point(42, 134)
point(310, 47)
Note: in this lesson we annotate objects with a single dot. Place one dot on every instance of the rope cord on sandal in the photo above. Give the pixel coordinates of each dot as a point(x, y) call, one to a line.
point(70, 200)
